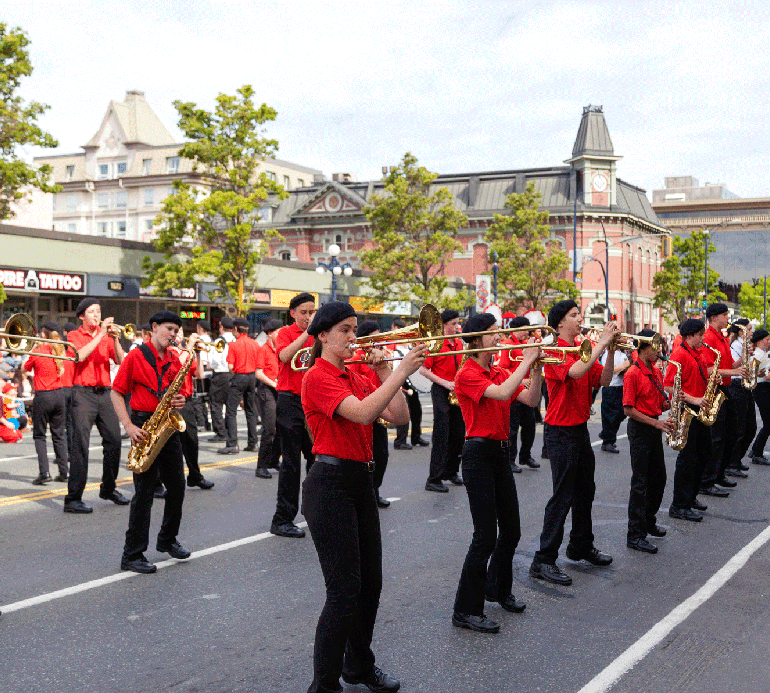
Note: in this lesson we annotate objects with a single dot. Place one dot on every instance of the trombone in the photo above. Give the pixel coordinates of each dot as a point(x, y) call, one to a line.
point(19, 336)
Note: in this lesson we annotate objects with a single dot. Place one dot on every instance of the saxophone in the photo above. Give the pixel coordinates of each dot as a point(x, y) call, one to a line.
point(680, 414)
point(750, 363)
point(712, 398)
point(163, 423)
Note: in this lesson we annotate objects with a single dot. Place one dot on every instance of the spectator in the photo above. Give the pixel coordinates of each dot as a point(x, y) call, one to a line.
point(13, 420)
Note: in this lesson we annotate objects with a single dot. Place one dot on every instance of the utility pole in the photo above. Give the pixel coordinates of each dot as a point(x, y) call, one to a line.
point(706, 274)
point(764, 319)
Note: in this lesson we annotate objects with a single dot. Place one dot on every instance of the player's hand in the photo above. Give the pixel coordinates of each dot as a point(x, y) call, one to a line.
point(106, 325)
point(136, 434)
point(178, 401)
point(415, 358)
point(609, 334)
point(665, 425)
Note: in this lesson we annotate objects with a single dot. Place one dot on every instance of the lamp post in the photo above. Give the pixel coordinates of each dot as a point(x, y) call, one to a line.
point(494, 275)
point(335, 267)
point(706, 273)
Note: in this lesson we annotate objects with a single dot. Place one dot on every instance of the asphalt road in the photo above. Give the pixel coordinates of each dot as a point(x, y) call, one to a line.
point(242, 617)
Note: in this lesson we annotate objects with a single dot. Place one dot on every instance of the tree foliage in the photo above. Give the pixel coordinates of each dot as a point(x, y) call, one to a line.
point(678, 285)
point(414, 231)
point(752, 300)
point(211, 231)
point(529, 262)
point(18, 125)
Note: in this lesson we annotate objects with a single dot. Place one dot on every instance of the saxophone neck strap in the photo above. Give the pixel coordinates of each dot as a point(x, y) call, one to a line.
point(150, 358)
point(653, 379)
point(697, 363)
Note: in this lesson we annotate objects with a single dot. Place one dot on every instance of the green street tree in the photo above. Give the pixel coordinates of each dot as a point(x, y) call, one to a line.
point(211, 231)
point(414, 231)
point(529, 261)
point(678, 285)
point(752, 300)
point(18, 125)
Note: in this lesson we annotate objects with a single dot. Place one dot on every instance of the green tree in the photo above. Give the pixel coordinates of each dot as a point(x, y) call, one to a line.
point(529, 262)
point(752, 300)
point(18, 125)
point(414, 230)
point(211, 231)
point(678, 285)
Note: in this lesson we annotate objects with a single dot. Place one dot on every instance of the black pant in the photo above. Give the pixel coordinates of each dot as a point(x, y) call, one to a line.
point(488, 567)
point(762, 398)
point(93, 406)
point(269, 443)
point(168, 468)
point(220, 386)
point(746, 422)
point(200, 396)
point(448, 436)
point(242, 387)
point(339, 505)
point(612, 413)
point(648, 477)
point(723, 440)
point(50, 409)
point(544, 392)
point(690, 463)
point(69, 421)
point(379, 453)
point(189, 441)
point(295, 442)
point(572, 472)
point(522, 417)
point(415, 418)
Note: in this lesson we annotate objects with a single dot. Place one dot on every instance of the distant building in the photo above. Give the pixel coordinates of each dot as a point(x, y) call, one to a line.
point(116, 186)
point(687, 189)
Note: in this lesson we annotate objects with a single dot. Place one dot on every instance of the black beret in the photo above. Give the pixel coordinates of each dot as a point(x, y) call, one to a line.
point(165, 316)
point(204, 324)
point(146, 327)
point(241, 322)
point(691, 326)
point(716, 309)
point(299, 299)
point(328, 315)
point(85, 304)
point(272, 325)
point(646, 332)
point(50, 326)
point(478, 323)
point(69, 326)
point(366, 328)
point(758, 336)
point(449, 314)
point(519, 321)
point(227, 323)
point(559, 310)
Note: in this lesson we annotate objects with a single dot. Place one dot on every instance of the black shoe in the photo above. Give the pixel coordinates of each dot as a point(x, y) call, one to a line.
point(656, 531)
point(41, 479)
point(726, 483)
point(714, 491)
point(228, 450)
point(743, 467)
point(61, 477)
point(515, 468)
point(138, 565)
point(420, 442)
point(737, 473)
point(174, 549)
point(115, 496)
point(77, 506)
point(684, 514)
point(376, 680)
point(480, 624)
point(593, 556)
point(217, 439)
point(760, 459)
point(457, 480)
point(288, 529)
point(436, 486)
point(510, 603)
point(382, 502)
point(200, 483)
point(159, 492)
point(532, 463)
point(262, 473)
point(610, 447)
point(641, 545)
point(402, 446)
point(250, 448)
point(697, 505)
point(550, 572)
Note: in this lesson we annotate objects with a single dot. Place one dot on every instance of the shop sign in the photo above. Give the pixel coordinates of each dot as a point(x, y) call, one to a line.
point(186, 294)
point(358, 304)
point(115, 286)
point(192, 314)
point(261, 296)
point(42, 280)
point(281, 297)
point(483, 292)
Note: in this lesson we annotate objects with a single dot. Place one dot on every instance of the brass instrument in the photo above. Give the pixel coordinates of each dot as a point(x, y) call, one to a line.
point(749, 362)
point(680, 414)
point(163, 423)
point(218, 345)
point(128, 331)
point(625, 342)
point(19, 336)
point(712, 398)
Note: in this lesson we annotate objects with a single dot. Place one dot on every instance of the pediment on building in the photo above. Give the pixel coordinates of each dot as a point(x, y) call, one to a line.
point(332, 200)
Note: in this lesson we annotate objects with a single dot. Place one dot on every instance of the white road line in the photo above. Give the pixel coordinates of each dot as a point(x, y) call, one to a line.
point(125, 575)
point(642, 647)
point(599, 442)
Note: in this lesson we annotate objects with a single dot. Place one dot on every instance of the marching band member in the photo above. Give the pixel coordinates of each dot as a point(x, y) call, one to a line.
point(570, 387)
point(485, 393)
point(220, 381)
point(98, 343)
point(202, 383)
point(146, 374)
point(267, 379)
point(644, 400)
point(415, 408)
point(612, 408)
point(761, 340)
point(338, 500)
point(448, 426)
point(692, 458)
point(66, 386)
point(743, 401)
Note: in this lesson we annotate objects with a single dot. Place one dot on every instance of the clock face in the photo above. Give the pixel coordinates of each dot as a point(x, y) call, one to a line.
point(599, 182)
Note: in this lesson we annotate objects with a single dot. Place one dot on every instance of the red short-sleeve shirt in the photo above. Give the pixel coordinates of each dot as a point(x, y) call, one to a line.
point(484, 417)
point(643, 389)
point(364, 369)
point(506, 354)
point(694, 370)
point(290, 380)
point(69, 372)
point(716, 340)
point(46, 372)
point(242, 354)
point(94, 370)
point(323, 389)
point(136, 375)
point(446, 366)
point(267, 360)
point(569, 399)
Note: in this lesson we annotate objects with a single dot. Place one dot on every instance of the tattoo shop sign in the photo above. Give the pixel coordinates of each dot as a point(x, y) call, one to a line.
point(43, 281)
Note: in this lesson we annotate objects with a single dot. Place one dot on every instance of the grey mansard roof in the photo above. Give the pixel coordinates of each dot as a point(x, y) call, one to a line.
point(593, 138)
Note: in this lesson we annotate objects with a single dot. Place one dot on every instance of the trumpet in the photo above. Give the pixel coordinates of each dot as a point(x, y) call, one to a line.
point(19, 336)
point(218, 345)
point(128, 331)
point(624, 341)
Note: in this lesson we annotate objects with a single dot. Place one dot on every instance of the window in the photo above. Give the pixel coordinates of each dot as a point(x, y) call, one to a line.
point(286, 183)
point(103, 201)
point(102, 227)
point(338, 239)
point(148, 224)
point(121, 199)
point(286, 255)
point(146, 163)
point(121, 229)
point(266, 213)
point(104, 171)
point(72, 228)
point(172, 164)
point(122, 167)
point(300, 183)
point(54, 202)
point(270, 175)
point(72, 203)
point(70, 171)
point(149, 197)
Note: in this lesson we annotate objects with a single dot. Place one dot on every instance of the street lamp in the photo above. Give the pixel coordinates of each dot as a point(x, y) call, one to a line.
point(706, 272)
point(335, 267)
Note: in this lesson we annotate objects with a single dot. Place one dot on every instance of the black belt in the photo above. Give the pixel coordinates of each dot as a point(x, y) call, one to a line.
point(488, 441)
point(96, 389)
point(342, 462)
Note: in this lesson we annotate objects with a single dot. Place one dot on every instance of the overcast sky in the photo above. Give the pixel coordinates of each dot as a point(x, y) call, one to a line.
point(465, 86)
